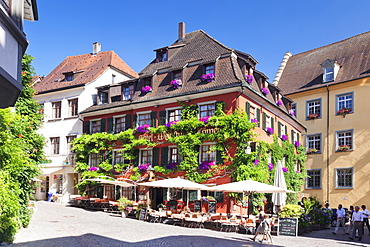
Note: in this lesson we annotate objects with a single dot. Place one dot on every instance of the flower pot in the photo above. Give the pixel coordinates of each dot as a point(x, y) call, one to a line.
point(124, 214)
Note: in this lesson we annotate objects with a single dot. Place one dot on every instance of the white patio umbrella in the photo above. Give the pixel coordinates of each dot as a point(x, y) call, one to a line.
point(114, 182)
point(176, 183)
point(278, 199)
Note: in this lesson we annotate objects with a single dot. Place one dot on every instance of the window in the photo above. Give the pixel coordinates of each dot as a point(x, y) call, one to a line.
point(210, 69)
point(69, 142)
point(103, 97)
point(174, 155)
point(72, 107)
point(42, 110)
point(94, 159)
point(119, 124)
point(314, 109)
point(206, 110)
point(206, 153)
point(57, 109)
point(269, 121)
point(313, 180)
point(345, 138)
point(345, 101)
point(177, 75)
point(161, 56)
point(174, 115)
point(128, 92)
point(294, 109)
point(117, 157)
point(344, 178)
point(109, 191)
point(143, 118)
point(55, 141)
point(146, 156)
point(95, 126)
point(69, 77)
point(282, 129)
point(252, 112)
point(128, 192)
point(328, 74)
point(314, 143)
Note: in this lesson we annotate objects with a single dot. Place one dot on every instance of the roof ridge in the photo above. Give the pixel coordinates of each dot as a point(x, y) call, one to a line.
point(215, 40)
point(340, 41)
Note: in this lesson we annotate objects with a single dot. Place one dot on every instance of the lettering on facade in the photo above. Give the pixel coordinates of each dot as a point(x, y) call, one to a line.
point(165, 136)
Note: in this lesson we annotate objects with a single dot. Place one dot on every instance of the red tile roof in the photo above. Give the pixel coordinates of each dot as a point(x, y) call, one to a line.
point(86, 68)
point(303, 71)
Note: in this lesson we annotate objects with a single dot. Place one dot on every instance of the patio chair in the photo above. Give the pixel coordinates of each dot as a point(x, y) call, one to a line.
point(250, 226)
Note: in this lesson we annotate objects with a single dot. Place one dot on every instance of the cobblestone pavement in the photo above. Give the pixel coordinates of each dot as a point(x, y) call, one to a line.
point(56, 224)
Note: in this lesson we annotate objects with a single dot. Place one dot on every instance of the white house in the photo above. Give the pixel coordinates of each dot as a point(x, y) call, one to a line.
point(66, 91)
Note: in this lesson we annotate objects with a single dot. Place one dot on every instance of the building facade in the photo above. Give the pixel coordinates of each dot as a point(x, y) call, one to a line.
point(64, 93)
point(13, 44)
point(329, 86)
point(196, 72)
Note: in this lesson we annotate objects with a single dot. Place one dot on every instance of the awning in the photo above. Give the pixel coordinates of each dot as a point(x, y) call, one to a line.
point(50, 170)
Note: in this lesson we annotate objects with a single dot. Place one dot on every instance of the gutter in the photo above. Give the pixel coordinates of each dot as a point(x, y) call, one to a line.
point(328, 146)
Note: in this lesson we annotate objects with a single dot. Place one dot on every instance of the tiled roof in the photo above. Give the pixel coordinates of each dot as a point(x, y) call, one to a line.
point(86, 67)
point(303, 71)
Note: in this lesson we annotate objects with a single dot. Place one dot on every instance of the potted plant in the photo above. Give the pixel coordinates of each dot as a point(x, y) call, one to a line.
point(208, 77)
point(344, 111)
point(177, 83)
point(344, 148)
point(123, 203)
point(143, 128)
point(313, 116)
point(146, 89)
point(264, 91)
point(269, 131)
point(249, 78)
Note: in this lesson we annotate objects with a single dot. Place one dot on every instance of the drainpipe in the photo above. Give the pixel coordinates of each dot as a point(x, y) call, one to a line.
point(327, 145)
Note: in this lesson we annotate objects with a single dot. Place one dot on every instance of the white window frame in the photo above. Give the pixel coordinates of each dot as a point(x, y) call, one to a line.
point(344, 102)
point(69, 107)
point(316, 108)
point(252, 111)
point(141, 155)
point(179, 158)
point(207, 103)
point(351, 174)
point(116, 151)
point(52, 149)
point(201, 153)
point(314, 141)
point(308, 177)
point(143, 113)
point(168, 110)
point(329, 75)
point(114, 122)
point(91, 125)
point(345, 141)
point(269, 121)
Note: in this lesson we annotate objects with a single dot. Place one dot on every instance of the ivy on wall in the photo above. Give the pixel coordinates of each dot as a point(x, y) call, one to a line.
point(234, 130)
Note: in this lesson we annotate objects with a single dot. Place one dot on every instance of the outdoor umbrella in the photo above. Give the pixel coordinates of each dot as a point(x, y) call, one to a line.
point(278, 199)
point(114, 182)
point(176, 183)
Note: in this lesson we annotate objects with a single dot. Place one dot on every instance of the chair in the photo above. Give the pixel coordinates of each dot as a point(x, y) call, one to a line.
point(250, 226)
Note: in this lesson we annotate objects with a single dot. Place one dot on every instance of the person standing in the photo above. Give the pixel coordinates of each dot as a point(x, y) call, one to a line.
point(341, 219)
point(365, 213)
point(350, 212)
point(357, 221)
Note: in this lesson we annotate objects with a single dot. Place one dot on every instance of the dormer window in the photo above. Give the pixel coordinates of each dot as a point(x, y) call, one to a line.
point(69, 77)
point(103, 97)
point(210, 69)
point(330, 70)
point(161, 56)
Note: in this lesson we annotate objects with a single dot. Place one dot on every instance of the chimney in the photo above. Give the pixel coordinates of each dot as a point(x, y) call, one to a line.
point(96, 48)
point(181, 30)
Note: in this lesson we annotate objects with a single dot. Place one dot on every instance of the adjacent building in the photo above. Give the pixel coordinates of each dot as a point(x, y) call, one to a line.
point(13, 44)
point(64, 93)
point(330, 87)
point(197, 71)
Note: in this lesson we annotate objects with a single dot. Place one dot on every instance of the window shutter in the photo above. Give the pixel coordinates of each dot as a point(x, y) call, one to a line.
point(279, 129)
point(153, 119)
point(102, 125)
point(87, 127)
point(298, 137)
point(259, 117)
point(155, 157)
point(286, 130)
point(99, 191)
point(219, 159)
point(134, 124)
point(136, 159)
point(118, 192)
point(263, 120)
point(164, 158)
point(162, 117)
point(248, 109)
point(127, 122)
point(272, 122)
point(110, 125)
point(292, 135)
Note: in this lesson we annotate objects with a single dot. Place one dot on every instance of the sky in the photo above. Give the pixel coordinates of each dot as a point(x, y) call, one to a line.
point(133, 29)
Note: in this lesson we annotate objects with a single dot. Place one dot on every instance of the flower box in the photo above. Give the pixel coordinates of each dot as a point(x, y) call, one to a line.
point(146, 89)
point(279, 103)
point(312, 151)
point(343, 148)
point(264, 91)
point(284, 137)
point(143, 128)
point(249, 78)
point(177, 83)
point(208, 77)
point(313, 116)
point(269, 131)
point(344, 111)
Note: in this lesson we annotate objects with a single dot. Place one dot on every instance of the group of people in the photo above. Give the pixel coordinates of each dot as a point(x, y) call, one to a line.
point(358, 220)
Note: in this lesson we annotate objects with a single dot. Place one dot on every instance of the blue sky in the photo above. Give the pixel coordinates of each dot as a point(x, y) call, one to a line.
point(133, 29)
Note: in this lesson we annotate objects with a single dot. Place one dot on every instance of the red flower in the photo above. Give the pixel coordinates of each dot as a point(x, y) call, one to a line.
point(20, 135)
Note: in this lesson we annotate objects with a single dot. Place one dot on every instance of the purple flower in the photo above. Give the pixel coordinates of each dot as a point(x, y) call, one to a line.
point(253, 120)
point(206, 165)
point(143, 128)
point(172, 166)
point(292, 112)
point(265, 91)
point(284, 137)
point(93, 168)
point(208, 77)
point(177, 83)
point(297, 144)
point(143, 167)
point(269, 131)
point(169, 124)
point(146, 89)
point(285, 169)
point(255, 162)
point(270, 166)
point(279, 103)
point(298, 171)
point(204, 119)
point(249, 78)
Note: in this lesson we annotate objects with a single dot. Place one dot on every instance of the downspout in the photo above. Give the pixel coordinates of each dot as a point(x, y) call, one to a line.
point(328, 146)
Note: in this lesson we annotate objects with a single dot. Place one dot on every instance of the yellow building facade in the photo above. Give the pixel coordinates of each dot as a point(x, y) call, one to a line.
point(330, 86)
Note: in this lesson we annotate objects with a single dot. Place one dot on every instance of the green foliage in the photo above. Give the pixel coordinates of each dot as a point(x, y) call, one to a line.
point(21, 150)
point(123, 203)
point(290, 211)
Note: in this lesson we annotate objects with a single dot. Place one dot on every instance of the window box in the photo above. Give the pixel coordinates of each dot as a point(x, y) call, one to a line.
point(344, 111)
point(177, 83)
point(146, 89)
point(143, 128)
point(264, 91)
point(313, 116)
point(312, 151)
point(269, 131)
point(279, 103)
point(208, 77)
point(343, 148)
point(249, 78)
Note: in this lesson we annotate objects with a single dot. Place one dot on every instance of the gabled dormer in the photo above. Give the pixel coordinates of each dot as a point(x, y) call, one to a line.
point(162, 55)
point(330, 70)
